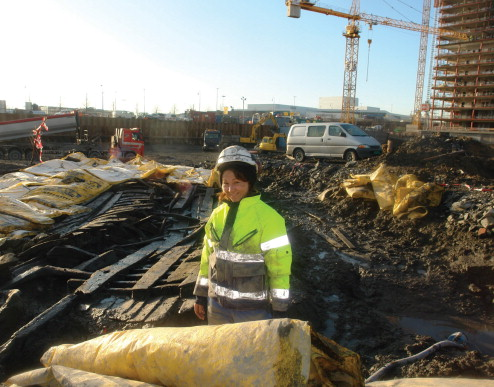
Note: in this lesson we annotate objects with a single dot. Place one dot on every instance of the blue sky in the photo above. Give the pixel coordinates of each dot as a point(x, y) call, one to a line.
point(165, 55)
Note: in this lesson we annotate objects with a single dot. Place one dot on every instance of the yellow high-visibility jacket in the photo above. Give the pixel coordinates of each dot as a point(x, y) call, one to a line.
point(246, 261)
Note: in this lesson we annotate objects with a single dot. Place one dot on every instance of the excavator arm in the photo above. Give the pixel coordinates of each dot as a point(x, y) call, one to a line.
point(254, 134)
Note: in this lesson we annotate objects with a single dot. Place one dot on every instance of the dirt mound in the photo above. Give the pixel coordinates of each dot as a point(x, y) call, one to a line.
point(392, 271)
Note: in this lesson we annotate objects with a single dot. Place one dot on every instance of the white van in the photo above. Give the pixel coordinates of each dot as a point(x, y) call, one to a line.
point(330, 139)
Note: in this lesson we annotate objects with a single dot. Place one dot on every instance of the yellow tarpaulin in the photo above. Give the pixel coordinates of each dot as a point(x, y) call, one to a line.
point(59, 376)
point(281, 352)
point(258, 353)
point(405, 196)
point(61, 186)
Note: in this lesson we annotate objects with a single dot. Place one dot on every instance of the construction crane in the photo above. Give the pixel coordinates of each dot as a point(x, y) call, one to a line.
point(352, 35)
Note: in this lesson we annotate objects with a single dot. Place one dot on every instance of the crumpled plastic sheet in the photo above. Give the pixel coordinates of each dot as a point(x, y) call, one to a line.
point(405, 196)
point(60, 186)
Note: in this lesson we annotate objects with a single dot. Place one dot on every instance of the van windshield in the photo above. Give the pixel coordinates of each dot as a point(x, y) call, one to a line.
point(353, 130)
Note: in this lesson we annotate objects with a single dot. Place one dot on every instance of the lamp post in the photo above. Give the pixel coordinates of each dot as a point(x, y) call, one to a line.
point(243, 110)
point(102, 104)
point(223, 102)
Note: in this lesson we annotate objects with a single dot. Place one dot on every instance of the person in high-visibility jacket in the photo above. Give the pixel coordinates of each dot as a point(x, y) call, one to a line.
point(246, 259)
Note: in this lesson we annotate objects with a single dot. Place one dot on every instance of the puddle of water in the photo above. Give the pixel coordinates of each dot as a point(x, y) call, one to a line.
point(480, 335)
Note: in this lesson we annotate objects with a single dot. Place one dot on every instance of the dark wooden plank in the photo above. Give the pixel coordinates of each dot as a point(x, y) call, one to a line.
point(206, 205)
point(115, 313)
point(15, 343)
point(342, 236)
point(161, 267)
point(147, 309)
point(162, 310)
point(185, 197)
point(187, 306)
point(330, 240)
point(187, 285)
point(99, 262)
point(44, 271)
point(183, 271)
point(102, 276)
point(194, 256)
point(132, 311)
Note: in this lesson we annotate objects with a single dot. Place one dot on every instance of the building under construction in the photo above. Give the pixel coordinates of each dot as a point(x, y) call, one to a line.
point(463, 88)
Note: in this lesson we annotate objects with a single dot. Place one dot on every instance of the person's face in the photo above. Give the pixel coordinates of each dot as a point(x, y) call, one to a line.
point(234, 188)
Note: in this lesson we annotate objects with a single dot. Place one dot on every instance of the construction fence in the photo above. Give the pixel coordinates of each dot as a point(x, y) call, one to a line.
point(154, 131)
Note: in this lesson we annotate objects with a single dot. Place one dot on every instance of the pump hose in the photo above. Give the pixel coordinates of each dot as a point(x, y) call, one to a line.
point(457, 340)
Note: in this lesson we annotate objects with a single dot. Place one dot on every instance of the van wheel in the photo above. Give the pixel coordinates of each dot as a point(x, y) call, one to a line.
point(15, 154)
point(350, 155)
point(299, 155)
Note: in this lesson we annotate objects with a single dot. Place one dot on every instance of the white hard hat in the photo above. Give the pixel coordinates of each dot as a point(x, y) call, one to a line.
point(235, 153)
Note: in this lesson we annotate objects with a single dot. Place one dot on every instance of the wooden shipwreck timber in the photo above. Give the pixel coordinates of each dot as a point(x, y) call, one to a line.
point(130, 260)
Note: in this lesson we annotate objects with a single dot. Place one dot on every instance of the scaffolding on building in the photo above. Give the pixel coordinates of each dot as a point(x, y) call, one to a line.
point(463, 87)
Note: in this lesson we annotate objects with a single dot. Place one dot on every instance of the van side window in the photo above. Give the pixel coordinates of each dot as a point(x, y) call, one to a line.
point(298, 131)
point(334, 131)
point(316, 131)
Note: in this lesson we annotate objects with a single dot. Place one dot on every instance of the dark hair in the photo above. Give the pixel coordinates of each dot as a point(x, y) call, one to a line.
point(242, 171)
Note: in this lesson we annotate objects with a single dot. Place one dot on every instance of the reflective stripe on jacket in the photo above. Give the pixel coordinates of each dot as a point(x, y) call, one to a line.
point(251, 268)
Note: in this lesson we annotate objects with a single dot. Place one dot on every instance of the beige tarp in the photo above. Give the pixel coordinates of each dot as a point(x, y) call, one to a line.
point(258, 353)
point(30, 199)
point(280, 352)
point(59, 376)
point(404, 196)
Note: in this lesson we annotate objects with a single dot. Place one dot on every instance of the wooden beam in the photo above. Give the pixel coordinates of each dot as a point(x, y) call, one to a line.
point(163, 310)
point(343, 237)
point(101, 277)
point(159, 269)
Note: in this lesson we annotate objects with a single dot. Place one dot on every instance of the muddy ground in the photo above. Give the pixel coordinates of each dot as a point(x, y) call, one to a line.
point(406, 283)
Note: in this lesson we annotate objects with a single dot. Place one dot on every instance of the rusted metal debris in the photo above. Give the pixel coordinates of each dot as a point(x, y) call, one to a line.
point(133, 257)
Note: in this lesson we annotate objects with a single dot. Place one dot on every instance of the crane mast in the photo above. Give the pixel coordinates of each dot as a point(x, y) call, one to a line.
point(419, 89)
point(352, 35)
point(352, 40)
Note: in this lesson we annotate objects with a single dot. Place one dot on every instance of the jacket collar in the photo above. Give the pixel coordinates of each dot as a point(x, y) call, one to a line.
point(246, 202)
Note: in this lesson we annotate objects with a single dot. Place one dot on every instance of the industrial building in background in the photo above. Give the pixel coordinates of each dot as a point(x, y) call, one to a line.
point(463, 87)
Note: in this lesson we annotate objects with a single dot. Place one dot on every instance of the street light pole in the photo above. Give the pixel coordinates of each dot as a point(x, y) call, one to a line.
point(223, 102)
point(243, 110)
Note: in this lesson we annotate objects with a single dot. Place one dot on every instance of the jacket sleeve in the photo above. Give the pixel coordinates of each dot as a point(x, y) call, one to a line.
point(278, 259)
point(202, 282)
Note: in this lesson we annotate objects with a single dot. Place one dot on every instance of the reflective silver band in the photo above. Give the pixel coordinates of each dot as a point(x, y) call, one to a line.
point(280, 294)
point(210, 242)
point(275, 243)
point(236, 295)
point(203, 281)
point(238, 257)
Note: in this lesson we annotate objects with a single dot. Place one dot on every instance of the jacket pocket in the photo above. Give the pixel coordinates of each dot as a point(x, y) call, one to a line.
point(245, 238)
point(249, 278)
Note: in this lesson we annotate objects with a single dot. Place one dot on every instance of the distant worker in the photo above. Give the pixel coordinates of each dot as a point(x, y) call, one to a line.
point(246, 259)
